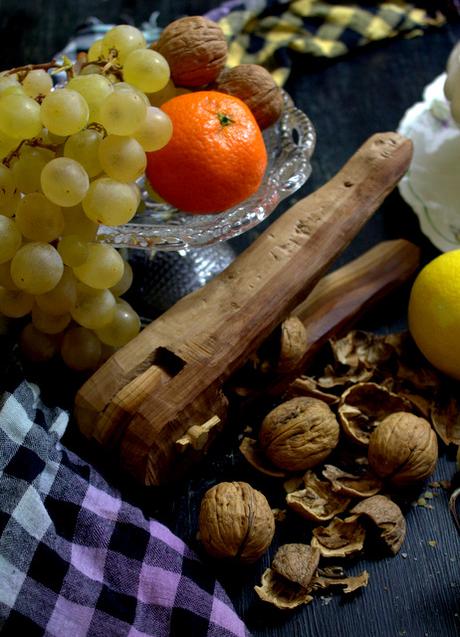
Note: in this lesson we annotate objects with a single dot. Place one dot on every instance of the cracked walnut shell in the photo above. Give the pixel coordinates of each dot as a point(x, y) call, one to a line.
point(296, 563)
point(280, 592)
point(195, 48)
point(316, 501)
point(403, 449)
point(235, 522)
point(363, 406)
point(341, 538)
point(387, 517)
point(299, 434)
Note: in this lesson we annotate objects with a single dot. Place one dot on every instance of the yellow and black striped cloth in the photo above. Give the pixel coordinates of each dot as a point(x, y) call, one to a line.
point(266, 31)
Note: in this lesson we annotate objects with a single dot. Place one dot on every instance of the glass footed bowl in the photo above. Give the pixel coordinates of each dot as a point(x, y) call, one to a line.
point(290, 144)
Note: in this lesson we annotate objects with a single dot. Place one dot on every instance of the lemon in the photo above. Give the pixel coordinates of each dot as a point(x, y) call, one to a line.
point(434, 312)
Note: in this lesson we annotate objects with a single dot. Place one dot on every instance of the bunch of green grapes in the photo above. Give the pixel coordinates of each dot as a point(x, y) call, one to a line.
point(70, 157)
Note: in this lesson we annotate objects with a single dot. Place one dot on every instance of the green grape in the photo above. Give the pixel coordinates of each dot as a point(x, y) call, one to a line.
point(83, 289)
point(15, 303)
point(5, 276)
point(49, 323)
point(95, 309)
point(36, 268)
point(122, 158)
point(95, 51)
point(80, 349)
point(76, 222)
point(19, 117)
point(93, 69)
point(62, 298)
point(94, 88)
point(123, 39)
point(156, 130)
point(64, 181)
point(10, 84)
point(123, 327)
point(10, 211)
point(64, 112)
point(37, 82)
point(36, 346)
point(73, 250)
point(10, 238)
point(13, 90)
point(83, 147)
point(8, 191)
point(102, 269)
point(106, 352)
point(147, 70)
point(51, 138)
point(7, 144)
point(160, 97)
point(39, 219)
point(111, 202)
point(122, 112)
point(125, 87)
point(28, 167)
point(124, 283)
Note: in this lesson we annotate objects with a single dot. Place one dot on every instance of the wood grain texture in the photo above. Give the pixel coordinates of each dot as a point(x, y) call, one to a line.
point(211, 332)
point(343, 296)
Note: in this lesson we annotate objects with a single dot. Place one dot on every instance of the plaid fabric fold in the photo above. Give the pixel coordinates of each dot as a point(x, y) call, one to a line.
point(266, 31)
point(75, 558)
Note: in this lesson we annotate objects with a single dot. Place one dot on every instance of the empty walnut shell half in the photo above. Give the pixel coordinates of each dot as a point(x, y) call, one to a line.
point(195, 48)
point(363, 406)
point(388, 518)
point(280, 592)
point(316, 501)
point(341, 538)
point(235, 522)
point(349, 584)
point(299, 434)
point(297, 563)
point(403, 449)
point(250, 449)
point(353, 486)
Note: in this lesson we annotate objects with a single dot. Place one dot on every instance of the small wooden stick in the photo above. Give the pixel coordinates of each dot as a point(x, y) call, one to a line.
point(341, 297)
point(338, 300)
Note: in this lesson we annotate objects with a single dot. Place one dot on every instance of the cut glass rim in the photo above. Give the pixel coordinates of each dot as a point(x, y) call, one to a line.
point(290, 144)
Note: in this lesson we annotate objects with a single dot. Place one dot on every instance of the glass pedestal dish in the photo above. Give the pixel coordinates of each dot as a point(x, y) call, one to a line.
point(173, 253)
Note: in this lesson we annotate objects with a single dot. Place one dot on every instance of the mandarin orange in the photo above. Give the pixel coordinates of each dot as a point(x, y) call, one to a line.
point(216, 157)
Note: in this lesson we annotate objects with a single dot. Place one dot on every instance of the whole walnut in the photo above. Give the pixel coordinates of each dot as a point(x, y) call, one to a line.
point(195, 48)
point(254, 85)
point(236, 522)
point(403, 449)
point(299, 434)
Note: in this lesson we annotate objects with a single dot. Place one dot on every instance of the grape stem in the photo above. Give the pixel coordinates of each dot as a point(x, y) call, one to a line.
point(108, 65)
point(32, 67)
point(35, 142)
point(97, 127)
point(23, 70)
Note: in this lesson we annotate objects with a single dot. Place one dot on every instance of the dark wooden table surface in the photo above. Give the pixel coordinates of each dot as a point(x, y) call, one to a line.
point(415, 593)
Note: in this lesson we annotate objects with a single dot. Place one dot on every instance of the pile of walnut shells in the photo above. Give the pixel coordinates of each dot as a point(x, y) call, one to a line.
point(344, 443)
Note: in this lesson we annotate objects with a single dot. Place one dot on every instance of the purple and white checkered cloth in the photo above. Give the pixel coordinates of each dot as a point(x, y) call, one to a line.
point(75, 558)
